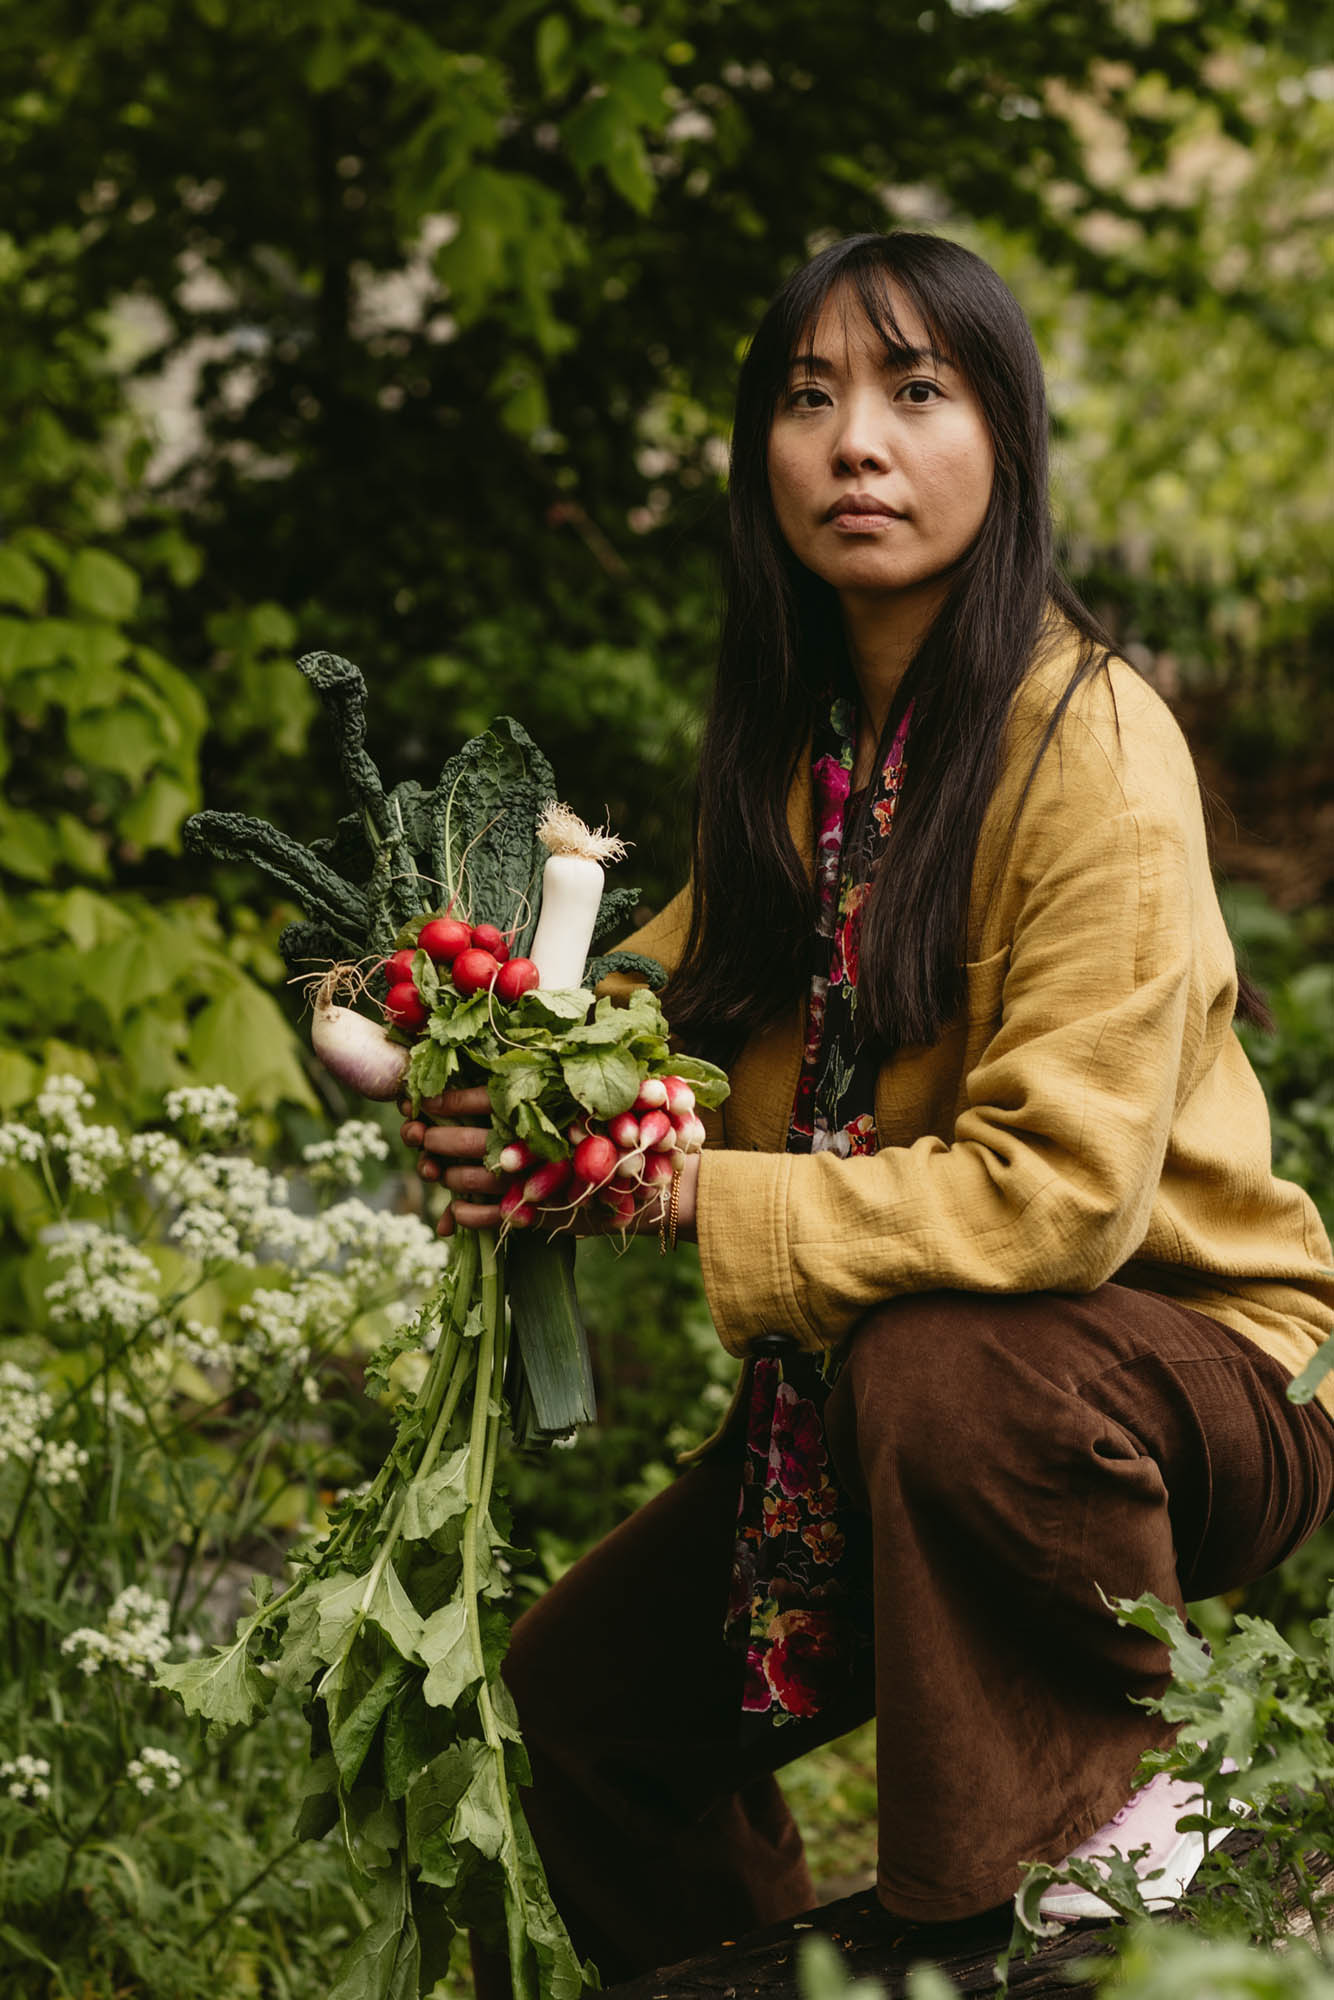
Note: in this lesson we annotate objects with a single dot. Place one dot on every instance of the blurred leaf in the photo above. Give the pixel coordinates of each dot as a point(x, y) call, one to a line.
point(102, 584)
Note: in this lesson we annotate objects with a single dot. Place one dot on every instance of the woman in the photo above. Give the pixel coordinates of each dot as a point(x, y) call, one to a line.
point(993, 1151)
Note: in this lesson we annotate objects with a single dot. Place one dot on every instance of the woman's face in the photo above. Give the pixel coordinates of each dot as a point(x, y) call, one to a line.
point(880, 464)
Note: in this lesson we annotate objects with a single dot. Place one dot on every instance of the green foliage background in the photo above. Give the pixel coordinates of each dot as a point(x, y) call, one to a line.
point(411, 334)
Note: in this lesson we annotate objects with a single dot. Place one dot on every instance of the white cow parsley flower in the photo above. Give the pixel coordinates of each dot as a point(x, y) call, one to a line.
point(153, 1767)
point(135, 1636)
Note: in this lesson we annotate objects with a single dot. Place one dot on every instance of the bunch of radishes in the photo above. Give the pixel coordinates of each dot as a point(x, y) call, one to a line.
point(475, 958)
point(612, 1162)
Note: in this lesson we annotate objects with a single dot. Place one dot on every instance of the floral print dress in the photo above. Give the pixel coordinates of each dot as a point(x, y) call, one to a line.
point(800, 1597)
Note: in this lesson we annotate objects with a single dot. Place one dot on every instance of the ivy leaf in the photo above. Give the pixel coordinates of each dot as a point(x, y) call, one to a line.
point(225, 1687)
point(604, 1081)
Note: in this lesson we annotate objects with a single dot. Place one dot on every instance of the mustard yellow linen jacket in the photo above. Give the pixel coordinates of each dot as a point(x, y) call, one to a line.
point(1089, 1114)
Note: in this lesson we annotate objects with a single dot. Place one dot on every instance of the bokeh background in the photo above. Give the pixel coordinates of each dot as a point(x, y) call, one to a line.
point(410, 333)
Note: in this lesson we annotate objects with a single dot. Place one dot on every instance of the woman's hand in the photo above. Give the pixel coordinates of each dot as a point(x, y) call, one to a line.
point(452, 1152)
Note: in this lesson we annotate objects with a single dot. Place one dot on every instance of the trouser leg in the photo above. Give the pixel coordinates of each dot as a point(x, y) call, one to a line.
point(1015, 1453)
point(659, 1834)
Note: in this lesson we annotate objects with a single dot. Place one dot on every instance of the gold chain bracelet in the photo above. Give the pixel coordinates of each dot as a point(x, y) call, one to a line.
point(670, 1217)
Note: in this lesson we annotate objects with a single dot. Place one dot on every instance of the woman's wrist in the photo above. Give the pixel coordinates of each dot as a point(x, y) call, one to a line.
point(686, 1199)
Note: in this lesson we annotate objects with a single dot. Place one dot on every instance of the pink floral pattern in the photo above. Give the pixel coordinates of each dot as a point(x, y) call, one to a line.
point(799, 1604)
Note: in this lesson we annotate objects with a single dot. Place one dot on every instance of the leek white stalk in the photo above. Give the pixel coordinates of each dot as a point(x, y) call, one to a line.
point(571, 893)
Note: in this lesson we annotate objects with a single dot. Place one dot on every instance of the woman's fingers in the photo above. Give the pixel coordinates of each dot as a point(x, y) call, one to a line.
point(456, 1142)
point(470, 1103)
point(468, 1215)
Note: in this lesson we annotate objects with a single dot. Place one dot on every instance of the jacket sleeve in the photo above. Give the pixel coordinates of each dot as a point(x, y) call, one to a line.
point(1048, 1178)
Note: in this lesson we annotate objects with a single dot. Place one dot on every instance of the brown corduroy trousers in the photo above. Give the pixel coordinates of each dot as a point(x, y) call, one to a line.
point(1014, 1454)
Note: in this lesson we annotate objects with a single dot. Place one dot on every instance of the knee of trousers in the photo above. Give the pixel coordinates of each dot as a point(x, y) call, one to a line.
point(932, 1383)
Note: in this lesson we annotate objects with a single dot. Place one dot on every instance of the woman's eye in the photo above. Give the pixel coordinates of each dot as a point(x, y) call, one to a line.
point(919, 392)
point(806, 396)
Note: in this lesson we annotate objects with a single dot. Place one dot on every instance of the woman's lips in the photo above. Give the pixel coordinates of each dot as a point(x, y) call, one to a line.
point(861, 514)
point(863, 524)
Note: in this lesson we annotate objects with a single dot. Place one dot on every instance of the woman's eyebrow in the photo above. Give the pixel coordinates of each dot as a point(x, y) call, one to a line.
point(895, 357)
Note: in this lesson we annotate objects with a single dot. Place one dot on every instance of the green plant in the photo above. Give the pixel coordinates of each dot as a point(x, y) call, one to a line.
point(182, 1329)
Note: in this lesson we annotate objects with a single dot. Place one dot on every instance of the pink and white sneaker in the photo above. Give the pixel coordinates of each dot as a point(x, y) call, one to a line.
point(1149, 1817)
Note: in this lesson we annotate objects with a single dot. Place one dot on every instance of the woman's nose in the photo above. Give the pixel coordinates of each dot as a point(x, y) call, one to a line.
point(860, 445)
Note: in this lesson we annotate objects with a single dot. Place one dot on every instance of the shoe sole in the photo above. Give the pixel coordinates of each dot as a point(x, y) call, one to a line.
point(1179, 1872)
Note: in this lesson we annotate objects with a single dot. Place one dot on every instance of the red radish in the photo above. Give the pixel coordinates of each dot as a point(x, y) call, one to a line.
point(658, 1170)
point(516, 977)
point(620, 1201)
point(487, 938)
point(399, 967)
point(624, 1131)
point(689, 1129)
point(655, 1131)
point(443, 939)
point(473, 971)
point(546, 1180)
point(630, 1167)
point(405, 1007)
point(576, 1131)
point(680, 1097)
point(515, 1157)
point(652, 1094)
point(514, 1209)
point(357, 1051)
point(595, 1158)
point(577, 1190)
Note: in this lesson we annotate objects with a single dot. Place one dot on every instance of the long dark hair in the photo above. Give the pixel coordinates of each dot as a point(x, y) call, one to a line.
point(748, 952)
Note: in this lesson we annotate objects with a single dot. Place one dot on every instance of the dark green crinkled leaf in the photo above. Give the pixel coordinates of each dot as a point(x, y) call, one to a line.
point(310, 947)
point(325, 895)
point(617, 907)
point(633, 963)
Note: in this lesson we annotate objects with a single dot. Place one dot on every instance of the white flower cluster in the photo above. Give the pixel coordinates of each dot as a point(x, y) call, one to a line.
point(215, 1110)
point(339, 1161)
point(91, 1152)
point(135, 1637)
point(111, 1401)
point(206, 1233)
point(20, 1142)
point(109, 1280)
point(25, 1409)
point(223, 1210)
point(153, 1767)
point(27, 1778)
